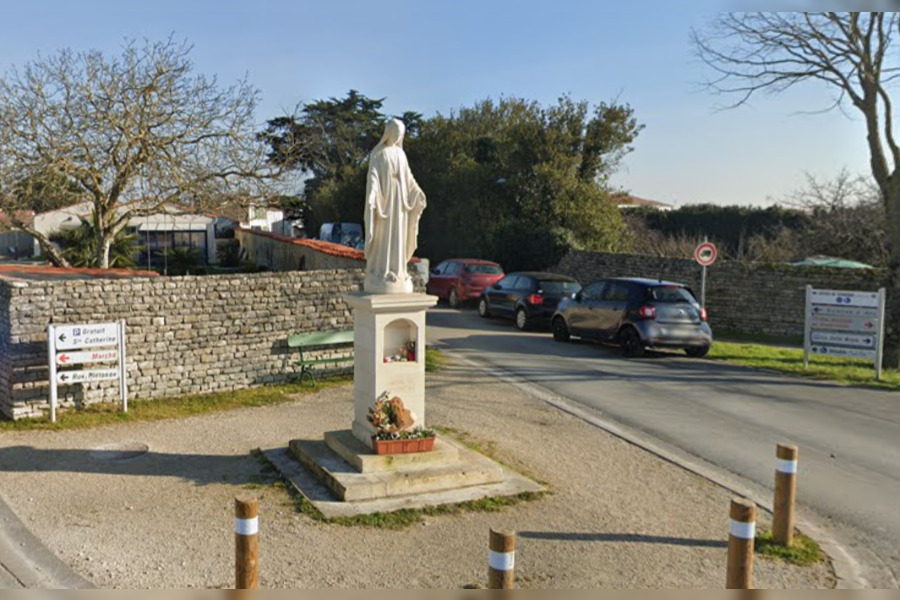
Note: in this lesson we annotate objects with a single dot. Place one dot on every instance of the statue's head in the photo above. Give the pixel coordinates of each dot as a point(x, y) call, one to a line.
point(393, 133)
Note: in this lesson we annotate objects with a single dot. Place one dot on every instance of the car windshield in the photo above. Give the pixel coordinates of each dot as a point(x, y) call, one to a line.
point(560, 287)
point(671, 293)
point(484, 269)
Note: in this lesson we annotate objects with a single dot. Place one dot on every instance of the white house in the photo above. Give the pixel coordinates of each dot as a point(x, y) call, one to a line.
point(169, 228)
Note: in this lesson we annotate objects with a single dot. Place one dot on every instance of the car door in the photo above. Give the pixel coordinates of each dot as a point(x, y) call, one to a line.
point(610, 310)
point(436, 278)
point(499, 294)
point(580, 313)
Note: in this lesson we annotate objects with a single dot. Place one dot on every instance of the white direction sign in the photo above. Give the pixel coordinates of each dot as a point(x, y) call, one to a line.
point(844, 352)
point(843, 339)
point(838, 323)
point(69, 345)
point(70, 337)
point(87, 356)
point(844, 323)
point(69, 377)
point(842, 298)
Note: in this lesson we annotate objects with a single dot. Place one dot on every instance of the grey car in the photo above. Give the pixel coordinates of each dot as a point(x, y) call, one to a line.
point(636, 314)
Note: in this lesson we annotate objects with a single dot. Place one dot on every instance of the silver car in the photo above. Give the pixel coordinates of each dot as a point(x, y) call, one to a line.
point(636, 314)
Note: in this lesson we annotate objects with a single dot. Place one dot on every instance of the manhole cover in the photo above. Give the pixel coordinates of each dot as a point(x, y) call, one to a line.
point(120, 451)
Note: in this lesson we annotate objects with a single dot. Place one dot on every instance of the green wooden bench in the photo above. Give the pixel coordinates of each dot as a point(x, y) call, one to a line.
point(306, 342)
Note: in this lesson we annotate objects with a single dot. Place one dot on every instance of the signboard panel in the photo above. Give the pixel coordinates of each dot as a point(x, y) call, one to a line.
point(838, 323)
point(843, 339)
point(70, 337)
point(70, 377)
point(844, 311)
point(843, 298)
point(845, 352)
point(69, 345)
point(844, 323)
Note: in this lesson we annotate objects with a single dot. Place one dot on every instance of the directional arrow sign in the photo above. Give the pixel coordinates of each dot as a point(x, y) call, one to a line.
point(844, 311)
point(70, 377)
point(844, 352)
point(87, 356)
point(836, 323)
point(846, 339)
point(71, 337)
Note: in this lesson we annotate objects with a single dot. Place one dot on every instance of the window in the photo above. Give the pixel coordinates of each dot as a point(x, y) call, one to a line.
point(525, 283)
point(484, 269)
point(671, 293)
point(508, 282)
point(616, 292)
point(564, 288)
point(594, 291)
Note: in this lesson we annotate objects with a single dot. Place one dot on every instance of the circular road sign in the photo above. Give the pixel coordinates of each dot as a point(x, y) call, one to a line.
point(705, 253)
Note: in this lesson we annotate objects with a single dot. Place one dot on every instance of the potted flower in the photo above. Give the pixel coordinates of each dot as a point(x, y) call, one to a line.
point(395, 428)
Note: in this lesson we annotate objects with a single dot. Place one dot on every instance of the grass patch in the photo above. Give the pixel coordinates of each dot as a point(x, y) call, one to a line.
point(759, 338)
point(803, 551)
point(434, 359)
point(98, 415)
point(790, 360)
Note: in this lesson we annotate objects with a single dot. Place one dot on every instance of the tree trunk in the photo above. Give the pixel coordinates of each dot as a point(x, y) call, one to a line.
point(53, 254)
point(891, 358)
point(103, 253)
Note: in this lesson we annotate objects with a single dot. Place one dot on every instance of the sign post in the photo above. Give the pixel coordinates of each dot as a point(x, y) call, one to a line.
point(69, 345)
point(705, 254)
point(844, 323)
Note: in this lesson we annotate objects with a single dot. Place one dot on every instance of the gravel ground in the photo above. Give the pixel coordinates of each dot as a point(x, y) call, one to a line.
point(617, 517)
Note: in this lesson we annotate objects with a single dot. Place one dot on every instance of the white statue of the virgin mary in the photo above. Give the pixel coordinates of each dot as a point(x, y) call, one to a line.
point(394, 204)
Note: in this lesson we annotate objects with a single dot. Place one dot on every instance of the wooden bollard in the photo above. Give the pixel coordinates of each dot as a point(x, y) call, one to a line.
point(741, 535)
point(785, 494)
point(502, 560)
point(246, 544)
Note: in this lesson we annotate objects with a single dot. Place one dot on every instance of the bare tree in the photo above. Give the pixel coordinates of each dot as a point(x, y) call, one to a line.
point(135, 133)
point(849, 52)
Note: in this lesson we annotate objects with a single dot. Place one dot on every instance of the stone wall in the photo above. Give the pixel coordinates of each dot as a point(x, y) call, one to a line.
point(184, 334)
point(740, 297)
point(281, 253)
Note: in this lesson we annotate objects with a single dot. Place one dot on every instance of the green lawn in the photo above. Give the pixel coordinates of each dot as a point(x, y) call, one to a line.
point(790, 360)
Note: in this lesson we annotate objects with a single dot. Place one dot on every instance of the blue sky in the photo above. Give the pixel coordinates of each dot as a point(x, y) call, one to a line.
point(438, 56)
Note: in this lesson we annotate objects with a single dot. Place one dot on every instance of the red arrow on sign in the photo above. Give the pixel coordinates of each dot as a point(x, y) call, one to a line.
point(63, 358)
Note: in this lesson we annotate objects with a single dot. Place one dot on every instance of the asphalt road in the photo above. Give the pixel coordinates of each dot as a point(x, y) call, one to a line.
point(730, 418)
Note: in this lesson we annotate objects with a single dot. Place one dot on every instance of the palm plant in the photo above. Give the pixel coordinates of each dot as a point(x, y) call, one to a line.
point(79, 247)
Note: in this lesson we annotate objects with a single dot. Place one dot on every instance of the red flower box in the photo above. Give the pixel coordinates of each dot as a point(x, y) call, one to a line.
point(425, 444)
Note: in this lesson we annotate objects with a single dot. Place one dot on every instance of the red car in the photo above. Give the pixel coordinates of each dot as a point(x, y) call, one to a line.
point(458, 280)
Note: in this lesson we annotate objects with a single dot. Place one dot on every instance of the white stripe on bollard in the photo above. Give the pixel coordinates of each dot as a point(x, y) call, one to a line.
point(786, 466)
point(246, 526)
point(744, 531)
point(502, 561)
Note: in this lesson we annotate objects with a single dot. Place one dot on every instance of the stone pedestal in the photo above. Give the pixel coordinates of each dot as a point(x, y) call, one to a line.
point(382, 325)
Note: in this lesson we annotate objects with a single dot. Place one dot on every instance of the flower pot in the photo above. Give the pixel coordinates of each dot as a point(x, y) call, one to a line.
point(403, 446)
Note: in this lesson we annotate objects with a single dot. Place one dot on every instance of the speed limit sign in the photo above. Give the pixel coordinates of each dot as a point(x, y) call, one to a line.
point(705, 253)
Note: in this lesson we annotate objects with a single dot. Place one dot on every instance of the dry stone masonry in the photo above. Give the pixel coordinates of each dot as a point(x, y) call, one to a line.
point(185, 335)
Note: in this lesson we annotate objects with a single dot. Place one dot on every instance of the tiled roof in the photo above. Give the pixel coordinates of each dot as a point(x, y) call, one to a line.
point(25, 216)
point(48, 273)
point(318, 245)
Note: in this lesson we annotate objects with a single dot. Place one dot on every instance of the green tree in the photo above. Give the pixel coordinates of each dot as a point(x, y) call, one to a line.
point(851, 53)
point(134, 133)
point(329, 142)
point(499, 169)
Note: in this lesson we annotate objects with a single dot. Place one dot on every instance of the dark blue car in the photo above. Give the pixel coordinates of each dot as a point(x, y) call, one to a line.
point(528, 297)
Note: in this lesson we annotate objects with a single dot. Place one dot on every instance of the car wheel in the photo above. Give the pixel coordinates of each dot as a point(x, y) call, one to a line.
point(453, 299)
point(521, 320)
point(696, 351)
point(631, 343)
point(560, 330)
point(483, 309)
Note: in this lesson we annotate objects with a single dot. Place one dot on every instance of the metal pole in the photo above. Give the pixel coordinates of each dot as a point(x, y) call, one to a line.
point(246, 544)
point(879, 352)
point(785, 494)
point(807, 336)
point(51, 356)
point(123, 376)
point(703, 287)
point(501, 560)
point(741, 535)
